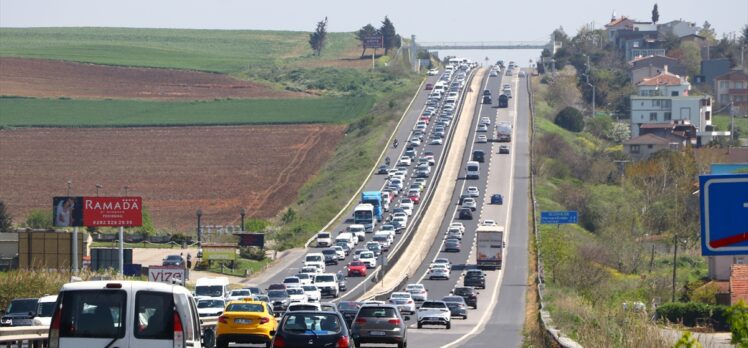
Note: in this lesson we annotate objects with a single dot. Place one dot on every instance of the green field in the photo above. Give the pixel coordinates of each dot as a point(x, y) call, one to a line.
point(28, 112)
point(225, 51)
point(723, 123)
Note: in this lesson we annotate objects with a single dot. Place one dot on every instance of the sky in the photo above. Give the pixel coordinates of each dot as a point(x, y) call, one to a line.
point(430, 21)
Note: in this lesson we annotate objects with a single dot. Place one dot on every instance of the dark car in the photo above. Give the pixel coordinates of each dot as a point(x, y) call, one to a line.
point(469, 294)
point(383, 169)
point(380, 324)
point(277, 286)
point(475, 279)
point(465, 214)
point(496, 198)
point(479, 156)
point(20, 312)
point(503, 149)
point(487, 99)
point(342, 285)
point(452, 245)
point(486, 92)
point(312, 329)
point(173, 260)
point(348, 309)
point(331, 256)
point(279, 300)
point(457, 306)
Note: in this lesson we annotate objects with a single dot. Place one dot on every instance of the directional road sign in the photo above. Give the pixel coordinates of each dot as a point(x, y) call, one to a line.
point(724, 214)
point(559, 217)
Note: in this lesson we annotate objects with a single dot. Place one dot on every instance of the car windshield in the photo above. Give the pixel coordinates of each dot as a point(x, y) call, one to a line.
point(174, 258)
point(291, 280)
point(277, 294)
point(463, 291)
point(310, 288)
point(400, 295)
point(348, 306)
point(433, 305)
point(240, 293)
point(22, 306)
point(93, 313)
point(457, 299)
point(357, 263)
point(324, 279)
point(210, 304)
point(312, 323)
point(295, 291)
point(245, 307)
point(210, 291)
point(323, 235)
point(377, 312)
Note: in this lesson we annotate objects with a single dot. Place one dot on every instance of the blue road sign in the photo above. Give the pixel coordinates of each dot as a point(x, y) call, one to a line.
point(559, 217)
point(724, 214)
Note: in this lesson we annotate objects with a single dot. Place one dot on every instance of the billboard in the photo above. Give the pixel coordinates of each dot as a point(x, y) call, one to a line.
point(373, 42)
point(97, 211)
point(251, 239)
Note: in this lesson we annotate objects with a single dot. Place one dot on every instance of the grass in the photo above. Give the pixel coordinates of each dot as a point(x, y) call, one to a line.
point(241, 266)
point(224, 51)
point(24, 112)
point(723, 123)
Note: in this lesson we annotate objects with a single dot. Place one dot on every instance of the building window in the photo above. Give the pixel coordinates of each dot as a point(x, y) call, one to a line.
point(634, 148)
point(668, 116)
point(650, 146)
point(674, 93)
point(722, 84)
point(723, 98)
point(739, 85)
point(707, 115)
point(653, 116)
point(667, 103)
point(656, 102)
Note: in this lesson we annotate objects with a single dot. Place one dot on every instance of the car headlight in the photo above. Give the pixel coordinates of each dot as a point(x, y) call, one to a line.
point(5, 320)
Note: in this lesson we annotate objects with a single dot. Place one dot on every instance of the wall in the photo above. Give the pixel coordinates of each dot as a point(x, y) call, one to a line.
point(49, 249)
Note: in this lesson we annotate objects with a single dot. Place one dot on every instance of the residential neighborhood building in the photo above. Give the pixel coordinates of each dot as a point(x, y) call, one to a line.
point(679, 28)
point(650, 66)
point(712, 68)
point(641, 147)
point(731, 90)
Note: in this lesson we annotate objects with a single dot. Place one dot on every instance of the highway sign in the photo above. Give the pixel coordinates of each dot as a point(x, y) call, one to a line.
point(559, 217)
point(373, 42)
point(724, 214)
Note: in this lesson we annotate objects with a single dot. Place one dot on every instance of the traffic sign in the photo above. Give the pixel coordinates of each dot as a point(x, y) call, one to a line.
point(724, 214)
point(559, 217)
point(374, 41)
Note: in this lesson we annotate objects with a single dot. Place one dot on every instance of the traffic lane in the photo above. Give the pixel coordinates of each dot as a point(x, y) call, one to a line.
point(508, 317)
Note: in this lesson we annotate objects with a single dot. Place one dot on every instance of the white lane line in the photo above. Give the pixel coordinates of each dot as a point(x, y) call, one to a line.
point(495, 293)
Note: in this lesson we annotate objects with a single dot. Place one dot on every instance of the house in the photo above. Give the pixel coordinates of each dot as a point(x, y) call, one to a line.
point(650, 66)
point(731, 90)
point(738, 283)
point(616, 24)
point(641, 147)
point(712, 68)
point(636, 43)
point(679, 28)
point(683, 129)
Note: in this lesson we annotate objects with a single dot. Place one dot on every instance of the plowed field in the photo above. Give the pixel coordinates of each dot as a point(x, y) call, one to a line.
point(53, 79)
point(175, 170)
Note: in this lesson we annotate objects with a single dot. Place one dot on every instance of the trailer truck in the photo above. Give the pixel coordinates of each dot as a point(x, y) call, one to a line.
point(504, 132)
point(490, 246)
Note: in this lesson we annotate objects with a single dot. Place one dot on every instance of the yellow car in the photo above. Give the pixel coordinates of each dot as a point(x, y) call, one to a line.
point(245, 321)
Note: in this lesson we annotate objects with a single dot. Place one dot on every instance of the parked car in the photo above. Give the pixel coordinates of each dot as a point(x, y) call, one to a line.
point(469, 294)
point(245, 322)
point(312, 329)
point(434, 313)
point(457, 306)
point(380, 323)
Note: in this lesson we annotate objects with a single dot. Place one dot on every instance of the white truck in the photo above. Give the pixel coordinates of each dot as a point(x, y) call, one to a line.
point(504, 132)
point(490, 245)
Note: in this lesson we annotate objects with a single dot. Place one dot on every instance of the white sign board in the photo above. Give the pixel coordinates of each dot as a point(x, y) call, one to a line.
point(166, 274)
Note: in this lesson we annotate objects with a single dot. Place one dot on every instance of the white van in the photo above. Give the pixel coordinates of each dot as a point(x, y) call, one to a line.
point(472, 170)
point(44, 310)
point(358, 230)
point(348, 238)
point(316, 260)
point(324, 239)
point(212, 287)
point(119, 313)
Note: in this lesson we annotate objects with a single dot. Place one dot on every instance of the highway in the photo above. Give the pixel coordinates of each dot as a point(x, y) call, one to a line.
point(356, 286)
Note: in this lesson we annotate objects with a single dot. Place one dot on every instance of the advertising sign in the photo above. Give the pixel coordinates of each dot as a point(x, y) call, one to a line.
point(251, 239)
point(97, 211)
point(724, 214)
point(166, 274)
point(219, 253)
point(559, 217)
point(374, 42)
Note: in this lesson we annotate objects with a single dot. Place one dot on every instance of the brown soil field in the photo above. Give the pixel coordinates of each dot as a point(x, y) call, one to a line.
point(51, 79)
point(176, 170)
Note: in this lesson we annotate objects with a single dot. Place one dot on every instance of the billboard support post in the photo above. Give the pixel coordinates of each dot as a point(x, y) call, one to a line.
point(121, 250)
point(75, 250)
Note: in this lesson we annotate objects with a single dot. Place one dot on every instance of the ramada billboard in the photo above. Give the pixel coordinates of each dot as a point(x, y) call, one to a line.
point(98, 211)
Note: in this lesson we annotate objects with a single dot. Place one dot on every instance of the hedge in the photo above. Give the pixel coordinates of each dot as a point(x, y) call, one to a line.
point(695, 313)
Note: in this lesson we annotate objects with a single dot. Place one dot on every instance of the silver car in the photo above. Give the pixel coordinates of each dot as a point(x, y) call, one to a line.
point(403, 301)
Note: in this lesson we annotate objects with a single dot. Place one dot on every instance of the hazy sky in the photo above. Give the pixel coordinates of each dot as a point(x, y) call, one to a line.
point(434, 20)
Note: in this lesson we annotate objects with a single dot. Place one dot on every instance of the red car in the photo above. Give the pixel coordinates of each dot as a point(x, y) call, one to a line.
point(429, 86)
point(416, 198)
point(358, 268)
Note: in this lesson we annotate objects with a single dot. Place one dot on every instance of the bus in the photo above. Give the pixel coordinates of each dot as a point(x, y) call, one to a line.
point(363, 214)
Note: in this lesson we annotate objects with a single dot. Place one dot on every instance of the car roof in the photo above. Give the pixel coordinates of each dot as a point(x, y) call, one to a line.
point(135, 285)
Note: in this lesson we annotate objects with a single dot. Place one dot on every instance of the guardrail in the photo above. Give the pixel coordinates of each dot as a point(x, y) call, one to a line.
point(36, 336)
point(552, 335)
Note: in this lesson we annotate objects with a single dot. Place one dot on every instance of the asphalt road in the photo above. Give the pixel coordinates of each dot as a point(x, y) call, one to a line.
point(356, 285)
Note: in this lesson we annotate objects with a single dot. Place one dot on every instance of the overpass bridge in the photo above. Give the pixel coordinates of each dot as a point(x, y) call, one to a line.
point(484, 45)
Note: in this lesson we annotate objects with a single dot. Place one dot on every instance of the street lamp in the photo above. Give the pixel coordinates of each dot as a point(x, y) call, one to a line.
point(98, 186)
point(70, 183)
point(243, 213)
point(199, 214)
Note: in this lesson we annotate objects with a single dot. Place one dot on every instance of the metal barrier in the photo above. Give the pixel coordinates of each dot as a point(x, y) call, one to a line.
point(551, 333)
point(36, 336)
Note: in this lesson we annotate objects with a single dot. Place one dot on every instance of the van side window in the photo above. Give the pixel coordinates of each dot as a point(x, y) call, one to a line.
point(183, 308)
point(195, 319)
point(154, 315)
point(93, 313)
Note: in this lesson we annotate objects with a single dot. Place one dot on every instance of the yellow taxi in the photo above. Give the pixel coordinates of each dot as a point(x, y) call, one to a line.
point(245, 321)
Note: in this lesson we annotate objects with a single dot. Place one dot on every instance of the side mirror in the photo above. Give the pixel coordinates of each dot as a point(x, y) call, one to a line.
point(272, 332)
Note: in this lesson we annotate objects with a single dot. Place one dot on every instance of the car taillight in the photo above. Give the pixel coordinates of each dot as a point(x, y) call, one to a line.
point(264, 320)
point(343, 342)
point(54, 329)
point(360, 321)
point(223, 319)
point(394, 321)
point(179, 339)
point(279, 342)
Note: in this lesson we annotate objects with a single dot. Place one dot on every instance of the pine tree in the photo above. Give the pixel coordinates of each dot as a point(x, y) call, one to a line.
point(655, 14)
point(318, 37)
point(389, 35)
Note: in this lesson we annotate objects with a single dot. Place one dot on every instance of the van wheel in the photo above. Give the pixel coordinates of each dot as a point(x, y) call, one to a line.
point(420, 325)
point(449, 325)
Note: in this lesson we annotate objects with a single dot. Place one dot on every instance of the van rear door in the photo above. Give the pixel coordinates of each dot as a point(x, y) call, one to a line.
point(94, 318)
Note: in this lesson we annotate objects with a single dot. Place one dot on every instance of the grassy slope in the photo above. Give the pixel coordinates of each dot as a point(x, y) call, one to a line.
point(224, 51)
point(723, 123)
point(108, 113)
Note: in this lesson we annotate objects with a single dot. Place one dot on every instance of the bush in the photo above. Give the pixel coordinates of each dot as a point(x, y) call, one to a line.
point(570, 119)
point(695, 313)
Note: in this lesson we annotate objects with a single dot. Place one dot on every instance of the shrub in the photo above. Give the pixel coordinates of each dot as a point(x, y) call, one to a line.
point(570, 119)
point(695, 313)
point(738, 320)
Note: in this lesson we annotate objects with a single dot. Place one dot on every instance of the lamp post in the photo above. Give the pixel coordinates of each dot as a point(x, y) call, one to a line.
point(70, 183)
point(199, 214)
point(243, 213)
point(98, 186)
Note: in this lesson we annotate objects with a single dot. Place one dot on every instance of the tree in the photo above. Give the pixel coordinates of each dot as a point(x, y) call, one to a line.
point(691, 57)
point(389, 35)
point(366, 31)
point(318, 37)
point(708, 32)
point(570, 119)
point(6, 222)
point(39, 218)
point(655, 14)
point(737, 317)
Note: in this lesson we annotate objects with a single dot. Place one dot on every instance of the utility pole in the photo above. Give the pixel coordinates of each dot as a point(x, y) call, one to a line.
point(587, 75)
point(675, 242)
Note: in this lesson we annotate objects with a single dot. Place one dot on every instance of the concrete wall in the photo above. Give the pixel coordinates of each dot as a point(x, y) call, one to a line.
point(8, 244)
point(719, 266)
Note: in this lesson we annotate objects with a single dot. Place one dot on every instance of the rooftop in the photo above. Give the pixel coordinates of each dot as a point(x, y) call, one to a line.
point(733, 75)
point(647, 139)
point(665, 78)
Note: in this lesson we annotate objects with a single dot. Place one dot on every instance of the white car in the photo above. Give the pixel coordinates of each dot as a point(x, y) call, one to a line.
point(368, 258)
point(458, 225)
point(310, 270)
point(340, 252)
point(292, 282)
point(481, 139)
point(417, 291)
point(485, 120)
point(433, 72)
point(210, 307)
point(404, 161)
point(488, 222)
point(436, 141)
point(403, 301)
point(438, 271)
point(415, 141)
point(312, 293)
point(401, 220)
point(238, 294)
point(473, 191)
point(443, 261)
point(469, 203)
point(324, 239)
point(296, 295)
point(44, 310)
point(482, 128)
point(454, 232)
point(305, 278)
point(406, 203)
point(434, 313)
point(358, 230)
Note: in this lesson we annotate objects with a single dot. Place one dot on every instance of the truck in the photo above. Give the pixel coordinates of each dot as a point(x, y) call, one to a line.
point(364, 214)
point(504, 132)
point(374, 198)
point(490, 246)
